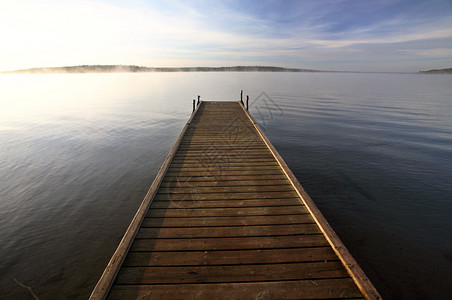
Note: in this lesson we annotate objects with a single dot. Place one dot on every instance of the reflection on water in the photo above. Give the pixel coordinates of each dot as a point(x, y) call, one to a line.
point(78, 152)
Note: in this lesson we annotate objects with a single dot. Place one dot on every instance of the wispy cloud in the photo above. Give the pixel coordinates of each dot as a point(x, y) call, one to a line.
point(434, 53)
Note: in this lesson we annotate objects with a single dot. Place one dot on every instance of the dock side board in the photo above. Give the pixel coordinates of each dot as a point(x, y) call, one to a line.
point(355, 271)
point(103, 286)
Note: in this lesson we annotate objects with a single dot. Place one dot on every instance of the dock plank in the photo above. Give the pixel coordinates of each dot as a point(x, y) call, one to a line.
point(227, 221)
point(226, 189)
point(224, 231)
point(227, 195)
point(226, 212)
point(229, 243)
point(223, 172)
point(231, 257)
point(225, 203)
point(220, 178)
point(231, 273)
point(343, 288)
point(188, 182)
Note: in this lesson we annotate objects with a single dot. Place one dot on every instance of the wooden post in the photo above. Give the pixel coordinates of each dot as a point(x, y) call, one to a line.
point(198, 99)
point(241, 96)
point(247, 99)
point(194, 104)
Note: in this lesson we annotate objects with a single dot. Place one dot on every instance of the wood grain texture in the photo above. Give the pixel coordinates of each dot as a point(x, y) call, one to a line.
point(226, 203)
point(231, 257)
point(193, 195)
point(229, 243)
point(342, 288)
point(226, 212)
point(231, 273)
point(225, 231)
point(227, 221)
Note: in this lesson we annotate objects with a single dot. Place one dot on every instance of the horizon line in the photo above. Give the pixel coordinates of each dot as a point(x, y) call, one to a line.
point(137, 69)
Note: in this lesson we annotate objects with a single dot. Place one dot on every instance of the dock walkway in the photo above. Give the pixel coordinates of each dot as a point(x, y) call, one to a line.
point(226, 219)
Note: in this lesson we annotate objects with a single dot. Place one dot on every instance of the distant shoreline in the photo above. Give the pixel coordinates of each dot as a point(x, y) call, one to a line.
point(139, 69)
point(437, 71)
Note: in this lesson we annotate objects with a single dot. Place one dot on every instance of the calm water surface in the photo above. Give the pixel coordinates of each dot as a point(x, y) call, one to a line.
point(78, 153)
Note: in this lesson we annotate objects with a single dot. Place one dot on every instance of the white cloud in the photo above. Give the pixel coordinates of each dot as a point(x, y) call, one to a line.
point(401, 38)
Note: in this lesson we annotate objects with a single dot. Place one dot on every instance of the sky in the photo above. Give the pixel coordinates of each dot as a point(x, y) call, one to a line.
point(358, 35)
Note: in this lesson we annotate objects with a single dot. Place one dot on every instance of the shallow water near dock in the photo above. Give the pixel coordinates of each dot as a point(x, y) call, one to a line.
point(79, 151)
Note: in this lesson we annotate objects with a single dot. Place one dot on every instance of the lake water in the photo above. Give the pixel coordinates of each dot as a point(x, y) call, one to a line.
point(78, 153)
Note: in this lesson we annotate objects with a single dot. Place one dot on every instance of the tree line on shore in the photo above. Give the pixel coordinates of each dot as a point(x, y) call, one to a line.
point(133, 69)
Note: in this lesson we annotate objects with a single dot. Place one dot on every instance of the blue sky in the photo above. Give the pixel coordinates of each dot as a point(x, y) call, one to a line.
point(360, 35)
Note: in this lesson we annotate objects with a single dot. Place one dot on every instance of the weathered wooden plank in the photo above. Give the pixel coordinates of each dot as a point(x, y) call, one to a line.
point(225, 203)
point(231, 257)
point(229, 243)
point(223, 172)
point(234, 150)
point(220, 178)
point(228, 158)
point(223, 196)
point(222, 162)
point(228, 273)
point(225, 155)
point(187, 182)
point(226, 212)
point(235, 231)
point(226, 189)
point(226, 149)
point(341, 288)
point(180, 198)
point(237, 130)
point(222, 167)
point(193, 138)
point(242, 141)
point(233, 157)
point(227, 221)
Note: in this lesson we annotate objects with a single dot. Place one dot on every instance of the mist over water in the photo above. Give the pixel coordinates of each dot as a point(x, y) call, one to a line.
point(79, 151)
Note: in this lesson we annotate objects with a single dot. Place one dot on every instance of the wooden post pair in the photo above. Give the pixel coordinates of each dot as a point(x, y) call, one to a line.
point(194, 103)
point(241, 99)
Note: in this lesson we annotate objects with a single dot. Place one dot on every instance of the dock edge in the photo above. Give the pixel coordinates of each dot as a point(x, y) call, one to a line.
point(354, 270)
point(105, 282)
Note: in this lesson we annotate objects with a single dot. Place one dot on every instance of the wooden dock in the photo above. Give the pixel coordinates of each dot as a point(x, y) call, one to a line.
point(225, 218)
